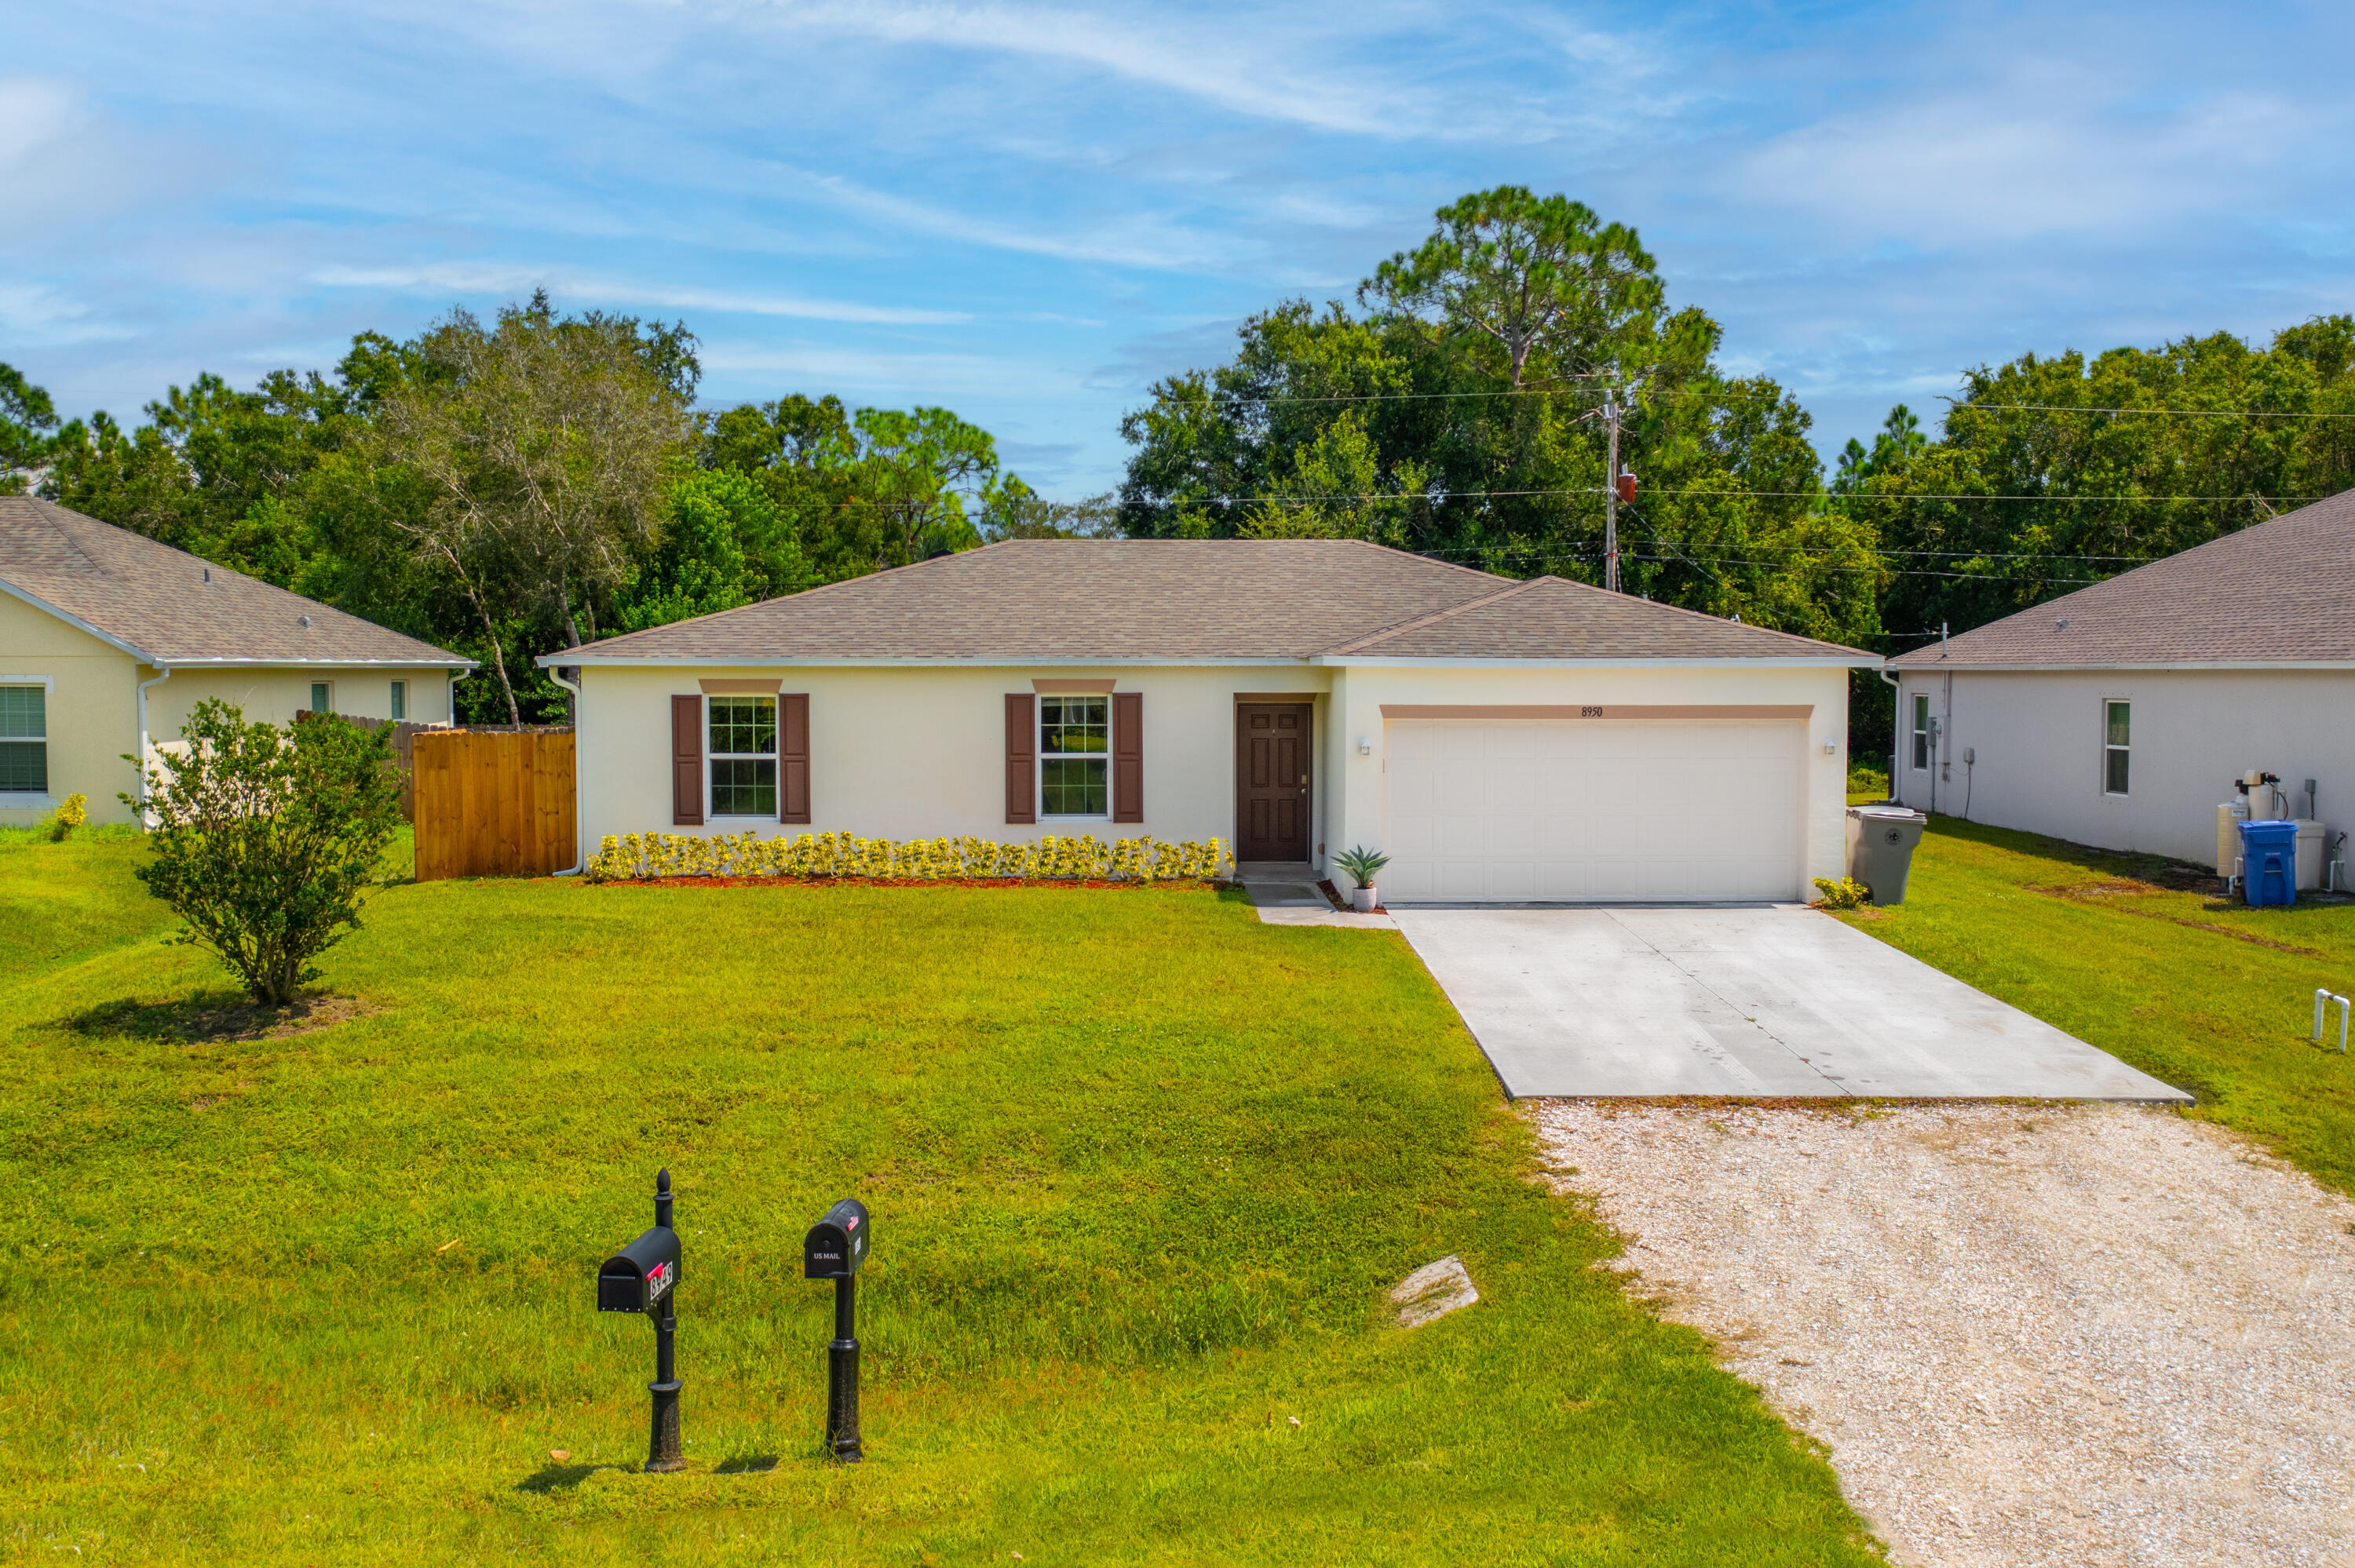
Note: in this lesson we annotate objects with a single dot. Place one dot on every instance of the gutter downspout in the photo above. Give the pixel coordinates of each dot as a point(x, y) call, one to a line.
point(580, 851)
point(1896, 727)
point(158, 681)
point(450, 695)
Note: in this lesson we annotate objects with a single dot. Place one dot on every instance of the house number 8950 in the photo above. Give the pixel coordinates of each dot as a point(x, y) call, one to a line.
point(1590, 713)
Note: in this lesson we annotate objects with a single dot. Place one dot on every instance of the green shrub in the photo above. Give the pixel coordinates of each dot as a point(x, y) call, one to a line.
point(264, 839)
point(1847, 893)
point(1362, 864)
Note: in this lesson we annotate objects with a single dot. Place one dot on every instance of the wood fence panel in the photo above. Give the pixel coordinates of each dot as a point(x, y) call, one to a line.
point(493, 803)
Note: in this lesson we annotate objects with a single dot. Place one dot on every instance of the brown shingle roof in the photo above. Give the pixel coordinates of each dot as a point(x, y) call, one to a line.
point(157, 601)
point(1551, 618)
point(2277, 592)
point(1115, 599)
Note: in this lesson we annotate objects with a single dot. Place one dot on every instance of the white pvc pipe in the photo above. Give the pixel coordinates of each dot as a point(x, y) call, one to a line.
point(579, 840)
point(142, 739)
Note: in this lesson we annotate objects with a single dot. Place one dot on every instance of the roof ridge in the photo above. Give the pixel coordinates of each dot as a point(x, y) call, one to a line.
point(1704, 615)
point(1419, 621)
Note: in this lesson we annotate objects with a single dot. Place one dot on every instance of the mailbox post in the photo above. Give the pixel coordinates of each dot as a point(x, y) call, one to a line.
point(644, 1277)
point(834, 1249)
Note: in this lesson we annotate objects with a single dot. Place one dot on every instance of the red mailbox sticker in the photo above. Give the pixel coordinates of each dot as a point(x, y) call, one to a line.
point(660, 1280)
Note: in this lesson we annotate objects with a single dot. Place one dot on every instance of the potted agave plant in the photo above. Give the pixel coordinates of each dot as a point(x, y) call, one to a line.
point(1363, 866)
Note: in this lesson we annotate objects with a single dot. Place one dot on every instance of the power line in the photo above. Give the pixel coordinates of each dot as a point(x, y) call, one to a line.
point(1762, 494)
point(1960, 404)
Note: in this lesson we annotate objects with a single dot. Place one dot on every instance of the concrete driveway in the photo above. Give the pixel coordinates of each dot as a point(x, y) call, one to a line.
point(1751, 1001)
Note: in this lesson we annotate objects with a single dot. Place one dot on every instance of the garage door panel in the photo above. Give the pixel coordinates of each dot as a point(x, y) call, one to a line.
point(1592, 810)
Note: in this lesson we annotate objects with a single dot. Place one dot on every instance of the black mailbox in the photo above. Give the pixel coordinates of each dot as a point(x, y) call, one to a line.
point(636, 1278)
point(837, 1245)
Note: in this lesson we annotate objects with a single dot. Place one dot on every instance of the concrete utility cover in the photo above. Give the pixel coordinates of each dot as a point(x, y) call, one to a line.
point(1433, 1291)
point(1753, 1002)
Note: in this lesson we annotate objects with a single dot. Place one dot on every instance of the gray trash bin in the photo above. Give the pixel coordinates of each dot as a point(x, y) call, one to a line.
point(1881, 840)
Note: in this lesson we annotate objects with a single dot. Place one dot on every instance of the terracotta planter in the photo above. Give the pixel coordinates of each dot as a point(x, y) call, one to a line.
point(1366, 900)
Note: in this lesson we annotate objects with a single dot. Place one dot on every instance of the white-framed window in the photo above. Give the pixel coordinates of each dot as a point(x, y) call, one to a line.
point(23, 740)
point(1921, 730)
point(323, 697)
point(1075, 756)
point(400, 702)
point(743, 752)
point(2117, 741)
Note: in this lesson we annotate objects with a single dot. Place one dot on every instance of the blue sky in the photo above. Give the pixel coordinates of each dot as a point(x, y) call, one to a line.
point(1026, 212)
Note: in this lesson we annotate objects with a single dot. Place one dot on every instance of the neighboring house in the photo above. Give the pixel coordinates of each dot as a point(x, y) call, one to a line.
point(2120, 716)
point(1502, 740)
point(108, 640)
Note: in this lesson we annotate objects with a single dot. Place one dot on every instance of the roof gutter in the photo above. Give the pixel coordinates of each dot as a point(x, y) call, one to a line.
point(1936, 667)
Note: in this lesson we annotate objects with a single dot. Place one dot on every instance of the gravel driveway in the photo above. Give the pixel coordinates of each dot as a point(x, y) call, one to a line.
point(2080, 1335)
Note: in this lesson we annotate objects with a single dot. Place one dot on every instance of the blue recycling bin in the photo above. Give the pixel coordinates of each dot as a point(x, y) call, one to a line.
point(2269, 863)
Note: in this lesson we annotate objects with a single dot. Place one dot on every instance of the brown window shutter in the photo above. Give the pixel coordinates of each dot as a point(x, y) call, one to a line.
point(1128, 757)
point(1021, 757)
point(687, 761)
point(792, 758)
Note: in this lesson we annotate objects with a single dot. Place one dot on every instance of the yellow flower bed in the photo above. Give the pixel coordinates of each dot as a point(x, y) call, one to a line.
point(643, 857)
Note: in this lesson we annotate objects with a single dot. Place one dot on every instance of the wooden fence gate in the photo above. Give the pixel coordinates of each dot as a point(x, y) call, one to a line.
point(493, 802)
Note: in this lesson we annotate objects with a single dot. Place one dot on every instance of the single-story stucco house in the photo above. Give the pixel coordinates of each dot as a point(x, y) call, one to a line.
point(108, 640)
point(1502, 740)
point(2120, 716)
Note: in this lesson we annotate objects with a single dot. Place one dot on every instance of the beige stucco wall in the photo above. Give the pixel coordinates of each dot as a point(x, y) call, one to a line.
point(2037, 740)
point(91, 706)
point(904, 753)
point(1361, 690)
point(94, 703)
point(276, 695)
point(908, 753)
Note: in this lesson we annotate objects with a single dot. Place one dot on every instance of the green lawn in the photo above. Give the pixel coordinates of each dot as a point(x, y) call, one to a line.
point(2212, 997)
point(1141, 1170)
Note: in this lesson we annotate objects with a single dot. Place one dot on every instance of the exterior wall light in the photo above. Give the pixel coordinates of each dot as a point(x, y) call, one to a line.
point(1365, 746)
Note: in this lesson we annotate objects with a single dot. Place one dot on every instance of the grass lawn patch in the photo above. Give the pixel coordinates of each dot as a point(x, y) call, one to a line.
point(1142, 1170)
point(2142, 958)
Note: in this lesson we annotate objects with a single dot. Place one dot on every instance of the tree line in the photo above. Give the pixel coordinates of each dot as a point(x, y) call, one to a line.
point(514, 487)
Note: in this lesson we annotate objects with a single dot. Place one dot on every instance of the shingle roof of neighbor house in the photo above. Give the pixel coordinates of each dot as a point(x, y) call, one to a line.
point(2274, 593)
point(1174, 599)
point(171, 608)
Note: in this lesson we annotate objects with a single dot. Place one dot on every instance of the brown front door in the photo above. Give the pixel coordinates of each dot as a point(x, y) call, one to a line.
point(1272, 781)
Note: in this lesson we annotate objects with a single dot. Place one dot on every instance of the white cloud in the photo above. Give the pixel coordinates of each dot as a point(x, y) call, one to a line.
point(2043, 153)
point(1237, 69)
point(507, 277)
point(62, 161)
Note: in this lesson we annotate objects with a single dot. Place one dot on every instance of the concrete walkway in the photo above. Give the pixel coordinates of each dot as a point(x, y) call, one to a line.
point(1287, 894)
point(1754, 1002)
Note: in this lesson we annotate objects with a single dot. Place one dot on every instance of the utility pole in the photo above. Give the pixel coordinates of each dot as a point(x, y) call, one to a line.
point(1611, 497)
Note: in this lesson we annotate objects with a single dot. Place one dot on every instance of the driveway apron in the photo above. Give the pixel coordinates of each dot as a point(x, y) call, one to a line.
point(1749, 1003)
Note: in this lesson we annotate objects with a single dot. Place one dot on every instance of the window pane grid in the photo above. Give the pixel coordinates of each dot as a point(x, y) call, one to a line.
point(2118, 728)
point(1075, 756)
point(743, 727)
point(1072, 787)
point(743, 733)
point(743, 787)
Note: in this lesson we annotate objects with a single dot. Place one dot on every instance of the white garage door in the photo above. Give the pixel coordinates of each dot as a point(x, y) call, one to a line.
point(1511, 811)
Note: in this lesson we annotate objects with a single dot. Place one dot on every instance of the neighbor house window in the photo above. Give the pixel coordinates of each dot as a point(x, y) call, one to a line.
point(2117, 736)
point(399, 700)
point(1921, 729)
point(1074, 754)
point(323, 697)
point(23, 740)
point(743, 757)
